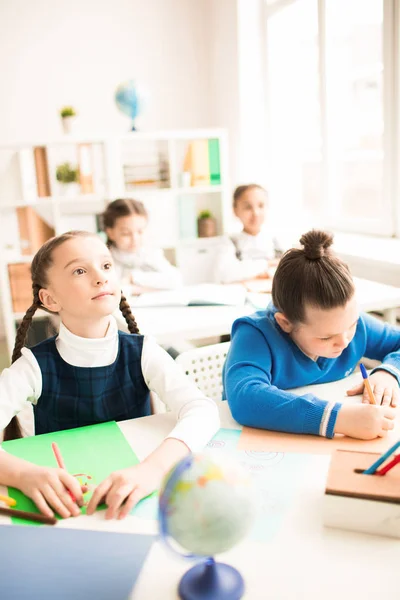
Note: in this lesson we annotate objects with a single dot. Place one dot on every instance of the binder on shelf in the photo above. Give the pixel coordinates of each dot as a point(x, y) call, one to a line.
point(42, 171)
point(197, 162)
point(359, 502)
point(19, 275)
point(28, 174)
point(33, 230)
point(214, 162)
point(85, 161)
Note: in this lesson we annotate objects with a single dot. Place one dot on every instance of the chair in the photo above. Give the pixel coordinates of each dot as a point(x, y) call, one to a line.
point(204, 366)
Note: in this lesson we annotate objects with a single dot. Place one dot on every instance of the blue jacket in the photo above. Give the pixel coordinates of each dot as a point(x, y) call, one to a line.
point(263, 361)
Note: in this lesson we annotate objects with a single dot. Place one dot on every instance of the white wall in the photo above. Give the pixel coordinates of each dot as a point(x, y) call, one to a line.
point(54, 53)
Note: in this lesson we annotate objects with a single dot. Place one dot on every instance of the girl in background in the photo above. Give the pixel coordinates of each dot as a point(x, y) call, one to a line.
point(311, 333)
point(249, 254)
point(145, 268)
point(92, 373)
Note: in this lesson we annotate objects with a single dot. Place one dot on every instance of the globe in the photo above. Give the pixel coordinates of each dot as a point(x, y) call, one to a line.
point(206, 507)
point(131, 98)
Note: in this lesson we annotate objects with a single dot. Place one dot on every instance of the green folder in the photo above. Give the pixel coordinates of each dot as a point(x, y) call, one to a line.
point(214, 162)
point(97, 451)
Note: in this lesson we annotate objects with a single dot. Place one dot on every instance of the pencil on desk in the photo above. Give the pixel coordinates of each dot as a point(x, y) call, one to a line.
point(7, 500)
point(61, 464)
point(367, 384)
point(372, 469)
point(389, 466)
point(23, 514)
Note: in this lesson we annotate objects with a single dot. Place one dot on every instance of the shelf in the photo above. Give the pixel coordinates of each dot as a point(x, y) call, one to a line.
point(199, 189)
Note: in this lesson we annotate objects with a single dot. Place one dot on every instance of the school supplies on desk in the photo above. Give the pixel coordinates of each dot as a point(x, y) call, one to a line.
point(367, 384)
point(61, 464)
point(372, 469)
point(96, 450)
point(7, 500)
point(360, 502)
point(27, 516)
point(70, 564)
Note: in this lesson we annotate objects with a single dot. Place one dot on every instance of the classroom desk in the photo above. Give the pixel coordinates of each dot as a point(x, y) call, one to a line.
point(304, 561)
point(171, 324)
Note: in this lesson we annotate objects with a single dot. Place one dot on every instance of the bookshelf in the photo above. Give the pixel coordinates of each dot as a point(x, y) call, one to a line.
point(176, 174)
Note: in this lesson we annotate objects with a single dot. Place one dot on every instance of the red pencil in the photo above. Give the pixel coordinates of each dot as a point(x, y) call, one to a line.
point(389, 466)
point(61, 464)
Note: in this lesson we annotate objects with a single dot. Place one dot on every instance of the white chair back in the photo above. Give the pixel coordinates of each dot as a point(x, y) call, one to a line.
point(204, 366)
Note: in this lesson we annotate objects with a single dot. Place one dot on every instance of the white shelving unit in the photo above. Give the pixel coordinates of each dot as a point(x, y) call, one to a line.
point(172, 208)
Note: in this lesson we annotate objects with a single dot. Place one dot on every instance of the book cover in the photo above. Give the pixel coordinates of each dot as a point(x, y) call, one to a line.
point(214, 162)
point(85, 161)
point(197, 162)
point(28, 174)
point(33, 230)
point(19, 275)
point(42, 171)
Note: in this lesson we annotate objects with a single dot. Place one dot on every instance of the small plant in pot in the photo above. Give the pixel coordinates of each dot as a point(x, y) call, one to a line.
point(68, 176)
point(206, 224)
point(68, 116)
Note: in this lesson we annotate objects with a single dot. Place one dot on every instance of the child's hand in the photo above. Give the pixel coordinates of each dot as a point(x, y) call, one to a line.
point(122, 490)
point(384, 386)
point(364, 422)
point(48, 488)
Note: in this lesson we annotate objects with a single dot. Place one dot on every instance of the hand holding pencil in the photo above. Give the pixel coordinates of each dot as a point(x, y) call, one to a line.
point(380, 388)
point(48, 488)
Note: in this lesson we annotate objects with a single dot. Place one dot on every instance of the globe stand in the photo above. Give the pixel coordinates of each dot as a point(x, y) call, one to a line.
point(211, 580)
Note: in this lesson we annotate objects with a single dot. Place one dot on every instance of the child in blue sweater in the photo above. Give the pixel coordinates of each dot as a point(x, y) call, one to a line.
point(311, 333)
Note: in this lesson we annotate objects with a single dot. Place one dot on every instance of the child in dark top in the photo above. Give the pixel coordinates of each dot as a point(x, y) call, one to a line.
point(92, 373)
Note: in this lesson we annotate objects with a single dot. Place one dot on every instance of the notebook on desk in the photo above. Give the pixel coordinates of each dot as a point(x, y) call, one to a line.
point(204, 294)
point(69, 564)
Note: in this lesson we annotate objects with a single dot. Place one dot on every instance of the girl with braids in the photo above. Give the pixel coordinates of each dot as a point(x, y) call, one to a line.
point(311, 333)
point(142, 267)
point(91, 373)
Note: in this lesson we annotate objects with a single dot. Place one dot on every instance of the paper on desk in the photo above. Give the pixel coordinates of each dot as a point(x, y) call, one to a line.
point(96, 450)
point(196, 295)
point(261, 440)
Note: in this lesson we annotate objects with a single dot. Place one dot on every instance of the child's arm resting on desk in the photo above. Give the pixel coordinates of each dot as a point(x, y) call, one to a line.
point(197, 421)
point(383, 343)
point(47, 487)
point(256, 403)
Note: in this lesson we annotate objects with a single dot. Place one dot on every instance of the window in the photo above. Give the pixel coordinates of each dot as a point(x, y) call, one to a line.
point(330, 111)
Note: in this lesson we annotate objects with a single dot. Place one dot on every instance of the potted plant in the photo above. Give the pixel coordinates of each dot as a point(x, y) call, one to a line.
point(68, 116)
point(68, 176)
point(206, 224)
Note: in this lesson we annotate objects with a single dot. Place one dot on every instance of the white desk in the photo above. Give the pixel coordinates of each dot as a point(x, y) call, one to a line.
point(171, 324)
point(304, 561)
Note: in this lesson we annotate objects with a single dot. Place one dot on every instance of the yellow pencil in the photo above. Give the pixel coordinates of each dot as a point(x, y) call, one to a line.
point(7, 500)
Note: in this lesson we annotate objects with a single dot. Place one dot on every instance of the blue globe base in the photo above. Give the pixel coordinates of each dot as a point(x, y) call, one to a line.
point(212, 581)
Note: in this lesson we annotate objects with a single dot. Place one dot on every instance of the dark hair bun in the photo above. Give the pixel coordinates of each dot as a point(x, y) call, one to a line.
point(316, 244)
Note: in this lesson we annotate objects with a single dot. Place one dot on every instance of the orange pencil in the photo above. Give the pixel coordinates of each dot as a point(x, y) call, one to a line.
point(60, 463)
point(367, 384)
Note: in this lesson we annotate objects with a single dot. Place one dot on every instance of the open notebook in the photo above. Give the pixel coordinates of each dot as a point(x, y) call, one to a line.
point(203, 294)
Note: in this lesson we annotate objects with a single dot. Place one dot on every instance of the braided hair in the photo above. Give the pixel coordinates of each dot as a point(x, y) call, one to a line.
point(41, 263)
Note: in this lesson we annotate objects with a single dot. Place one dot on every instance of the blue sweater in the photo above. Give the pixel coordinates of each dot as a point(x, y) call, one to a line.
point(263, 361)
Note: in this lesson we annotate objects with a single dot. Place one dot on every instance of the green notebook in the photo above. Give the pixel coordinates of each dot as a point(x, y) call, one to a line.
point(94, 451)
